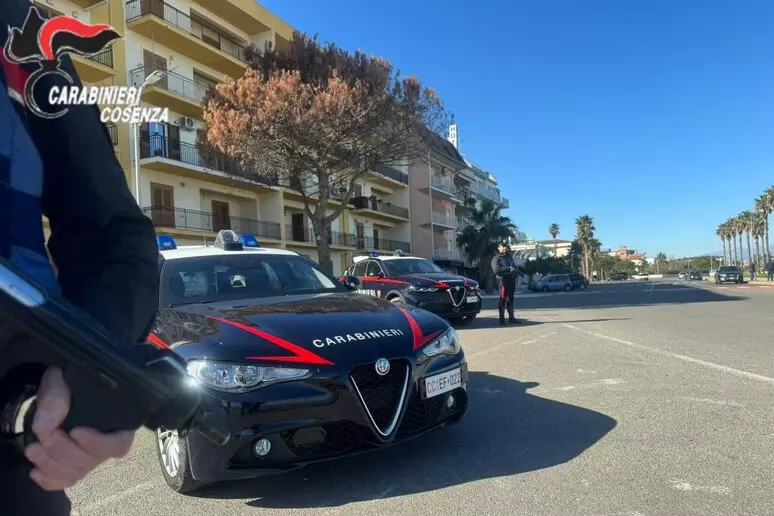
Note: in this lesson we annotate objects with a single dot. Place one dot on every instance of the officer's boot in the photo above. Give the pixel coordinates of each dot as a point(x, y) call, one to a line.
point(511, 318)
point(502, 314)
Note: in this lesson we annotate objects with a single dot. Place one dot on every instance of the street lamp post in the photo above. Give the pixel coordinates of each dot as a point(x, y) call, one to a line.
point(151, 79)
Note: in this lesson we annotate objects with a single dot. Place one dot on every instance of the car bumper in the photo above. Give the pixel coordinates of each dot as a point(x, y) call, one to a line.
point(442, 305)
point(315, 420)
point(728, 279)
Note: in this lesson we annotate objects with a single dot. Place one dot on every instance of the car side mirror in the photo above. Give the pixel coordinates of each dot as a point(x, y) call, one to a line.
point(352, 282)
point(380, 275)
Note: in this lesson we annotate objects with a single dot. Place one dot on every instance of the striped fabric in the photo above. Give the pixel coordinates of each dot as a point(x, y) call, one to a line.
point(21, 183)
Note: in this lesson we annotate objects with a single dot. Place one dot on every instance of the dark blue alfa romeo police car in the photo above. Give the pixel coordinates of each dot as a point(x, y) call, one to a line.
point(414, 281)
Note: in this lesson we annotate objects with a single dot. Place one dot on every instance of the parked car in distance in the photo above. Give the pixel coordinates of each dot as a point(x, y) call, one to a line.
point(729, 274)
point(695, 276)
point(578, 281)
point(553, 282)
point(619, 276)
point(682, 275)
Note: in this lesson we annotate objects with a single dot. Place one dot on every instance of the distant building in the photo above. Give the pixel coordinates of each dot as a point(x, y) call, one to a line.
point(531, 249)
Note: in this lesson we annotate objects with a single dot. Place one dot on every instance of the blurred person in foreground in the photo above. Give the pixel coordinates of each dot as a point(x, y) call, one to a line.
point(506, 269)
point(105, 255)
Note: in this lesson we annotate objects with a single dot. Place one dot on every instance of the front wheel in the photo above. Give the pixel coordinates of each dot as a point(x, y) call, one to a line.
point(172, 452)
point(583, 286)
point(567, 288)
point(544, 289)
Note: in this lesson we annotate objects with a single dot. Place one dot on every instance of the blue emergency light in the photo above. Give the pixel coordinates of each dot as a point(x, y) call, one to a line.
point(165, 242)
point(249, 241)
point(374, 254)
point(228, 240)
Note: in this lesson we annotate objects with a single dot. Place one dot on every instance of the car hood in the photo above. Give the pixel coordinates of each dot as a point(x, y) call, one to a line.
point(434, 278)
point(328, 329)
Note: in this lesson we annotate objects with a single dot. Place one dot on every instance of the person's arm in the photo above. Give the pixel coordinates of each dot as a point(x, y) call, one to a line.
point(102, 245)
point(496, 266)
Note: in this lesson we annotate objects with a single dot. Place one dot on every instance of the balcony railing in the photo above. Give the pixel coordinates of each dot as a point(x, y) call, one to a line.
point(462, 223)
point(447, 254)
point(370, 203)
point(443, 184)
point(443, 219)
point(181, 218)
point(392, 173)
point(384, 244)
point(298, 233)
point(171, 81)
point(157, 146)
point(104, 58)
point(505, 202)
point(179, 19)
point(113, 131)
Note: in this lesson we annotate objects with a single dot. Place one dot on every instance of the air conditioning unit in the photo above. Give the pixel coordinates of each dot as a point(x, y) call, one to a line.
point(187, 123)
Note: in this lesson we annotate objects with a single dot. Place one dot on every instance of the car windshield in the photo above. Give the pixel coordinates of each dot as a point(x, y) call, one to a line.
point(728, 269)
point(210, 279)
point(402, 266)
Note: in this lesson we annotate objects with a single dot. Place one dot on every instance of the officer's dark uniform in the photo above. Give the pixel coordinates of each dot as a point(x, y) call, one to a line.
point(103, 246)
point(505, 268)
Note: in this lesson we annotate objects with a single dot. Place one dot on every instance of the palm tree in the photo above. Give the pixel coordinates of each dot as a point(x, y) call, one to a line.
point(762, 208)
point(768, 205)
point(584, 227)
point(553, 230)
point(747, 223)
point(660, 258)
point(721, 232)
point(738, 226)
point(758, 228)
point(731, 237)
point(479, 240)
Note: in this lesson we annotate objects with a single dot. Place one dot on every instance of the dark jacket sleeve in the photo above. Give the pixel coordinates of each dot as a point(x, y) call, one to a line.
point(103, 246)
point(496, 266)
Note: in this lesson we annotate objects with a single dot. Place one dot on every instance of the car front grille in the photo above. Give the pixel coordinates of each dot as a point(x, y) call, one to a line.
point(457, 294)
point(421, 414)
point(382, 396)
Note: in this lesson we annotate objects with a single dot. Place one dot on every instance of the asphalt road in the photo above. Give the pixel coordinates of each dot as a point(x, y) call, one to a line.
point(634, 399)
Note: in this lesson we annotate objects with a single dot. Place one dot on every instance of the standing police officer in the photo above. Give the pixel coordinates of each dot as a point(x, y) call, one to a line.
point(506, 268)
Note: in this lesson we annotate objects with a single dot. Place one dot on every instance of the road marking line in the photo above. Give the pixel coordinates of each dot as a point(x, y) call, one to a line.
point(713, 402)
point(111, 500)
point(684, 358)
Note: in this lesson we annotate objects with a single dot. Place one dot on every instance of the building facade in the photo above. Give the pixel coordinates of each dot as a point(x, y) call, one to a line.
point(192, 194)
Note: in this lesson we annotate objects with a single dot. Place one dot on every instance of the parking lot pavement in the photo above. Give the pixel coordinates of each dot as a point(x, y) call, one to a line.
point(641, 399)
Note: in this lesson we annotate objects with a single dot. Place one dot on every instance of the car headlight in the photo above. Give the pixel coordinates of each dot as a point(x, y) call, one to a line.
point(412, 288)
point(240, 377)
point(446, 344)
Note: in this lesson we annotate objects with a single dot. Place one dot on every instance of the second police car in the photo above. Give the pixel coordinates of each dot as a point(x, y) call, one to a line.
point(414, 281)
point(293, 363)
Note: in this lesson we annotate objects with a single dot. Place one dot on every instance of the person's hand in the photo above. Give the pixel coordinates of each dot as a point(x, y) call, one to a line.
point(62, 459)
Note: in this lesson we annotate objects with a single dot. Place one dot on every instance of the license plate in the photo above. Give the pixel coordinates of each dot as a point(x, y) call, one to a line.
point(472, 299)
point(441, 383)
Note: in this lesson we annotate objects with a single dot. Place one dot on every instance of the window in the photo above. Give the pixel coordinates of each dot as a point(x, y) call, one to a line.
point(360, 269)
point(162, 205)
point(398, 267)
point(221, 218)
point(247, 276)
point(373, 268)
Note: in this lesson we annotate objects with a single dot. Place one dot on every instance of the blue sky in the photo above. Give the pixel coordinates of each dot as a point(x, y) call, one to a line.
point(654, 117)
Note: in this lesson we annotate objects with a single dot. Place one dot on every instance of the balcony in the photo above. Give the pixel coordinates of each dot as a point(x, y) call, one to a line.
point(178, 93)
point(444, 185)
point(174, 157)
point(383, 244)
point(168, 26)
point(85, 4)
point(305, 235)
point(172, 219)
point(113, 131)
point(454, 255)
point(95, 68)
point(250, 16)
point(505, 202)
point(389, 176)
point(442, 219)
point(383, 210)
point(462, 223)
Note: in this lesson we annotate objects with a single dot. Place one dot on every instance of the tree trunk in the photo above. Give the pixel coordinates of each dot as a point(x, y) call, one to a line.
point(766, 239)
point(322, 236)
point(736, 257)
point(749, 247)
point(757, 251)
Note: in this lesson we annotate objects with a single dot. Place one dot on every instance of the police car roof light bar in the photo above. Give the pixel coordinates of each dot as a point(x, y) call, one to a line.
point(165, 242)
point(228, 240)
point(249, 241)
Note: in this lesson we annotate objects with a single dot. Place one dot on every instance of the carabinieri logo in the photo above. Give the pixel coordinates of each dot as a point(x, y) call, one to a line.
point(45, 42)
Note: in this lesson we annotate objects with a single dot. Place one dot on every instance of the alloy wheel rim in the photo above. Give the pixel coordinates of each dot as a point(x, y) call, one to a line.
point(169, 444)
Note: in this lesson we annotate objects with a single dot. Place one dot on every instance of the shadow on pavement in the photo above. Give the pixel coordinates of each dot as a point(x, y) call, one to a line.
point(507, 431)
point(612, 295)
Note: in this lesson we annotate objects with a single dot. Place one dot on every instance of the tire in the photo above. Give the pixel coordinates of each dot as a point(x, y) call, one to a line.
point(582, 286)
point(567, 288)
point(180, 479)
point(544, 289)
point(397, 299)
